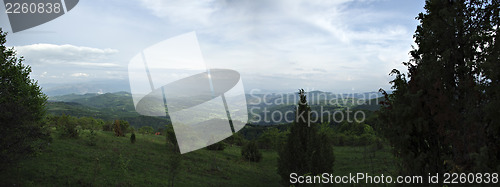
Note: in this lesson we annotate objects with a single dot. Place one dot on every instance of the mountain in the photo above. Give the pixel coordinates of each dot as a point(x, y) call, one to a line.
point(263, 109)
point(108, 106)
point(102, 86)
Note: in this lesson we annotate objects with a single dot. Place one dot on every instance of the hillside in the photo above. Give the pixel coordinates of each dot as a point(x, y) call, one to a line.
point(119, 105)
point(109, 106)
point(114, 161)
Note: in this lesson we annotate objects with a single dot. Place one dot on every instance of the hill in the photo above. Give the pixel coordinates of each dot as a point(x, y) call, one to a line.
point(109, 106)
point(114, 161)
point(119, 105)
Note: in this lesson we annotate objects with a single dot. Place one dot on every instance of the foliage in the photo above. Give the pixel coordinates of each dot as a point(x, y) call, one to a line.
point(438, 111)
point(90, 123)
point(22, 109)
point(92, 138)
point(146, 130)
point(174, 163)
point(271, 139)
point(132, 138)
point(107, 126)
point(306, 151)
point(219, 146)
point(235, 139)
point(251, 152)
point(67, 126)
point(118, 129)
point(172, 140)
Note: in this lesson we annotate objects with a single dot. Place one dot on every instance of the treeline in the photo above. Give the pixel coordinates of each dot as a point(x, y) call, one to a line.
point(443, 115)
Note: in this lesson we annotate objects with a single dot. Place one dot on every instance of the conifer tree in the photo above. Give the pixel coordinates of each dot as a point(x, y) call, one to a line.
point(304, 153)
point(434, 117)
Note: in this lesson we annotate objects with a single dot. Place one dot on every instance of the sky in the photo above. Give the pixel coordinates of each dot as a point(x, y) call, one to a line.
point(340, 46)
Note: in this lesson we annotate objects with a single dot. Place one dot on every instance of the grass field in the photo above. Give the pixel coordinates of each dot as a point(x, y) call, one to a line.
point(114, 161)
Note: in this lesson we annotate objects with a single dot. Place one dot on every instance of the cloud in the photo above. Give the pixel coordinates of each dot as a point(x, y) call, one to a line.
point(321, 44)
point(51, 54)
point(181, 12)
point(79, 75)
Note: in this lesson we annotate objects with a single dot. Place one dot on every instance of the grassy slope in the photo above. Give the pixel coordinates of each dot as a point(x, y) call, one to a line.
point(73, 162)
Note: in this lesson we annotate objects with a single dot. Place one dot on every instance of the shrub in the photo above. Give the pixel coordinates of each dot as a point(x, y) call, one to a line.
point(378, 144)
point(251, 152)
point(117, 129)
point(67, 127)
point(92, 138)
point(235, 139)
point(108, 126)
point(132, 138)
point(219, 146)
point(146, 130)
point(340, 139)
point(366, 139)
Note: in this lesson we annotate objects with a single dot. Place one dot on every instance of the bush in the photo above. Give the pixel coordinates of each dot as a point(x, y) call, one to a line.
point(378, 144)
point(67, 127)
point(108, 126)
point(132, 138)
point(219, 146)
point(146, 130)
point(118, 129)
point(92, 138)
point(366, 139)
point(339, 139)
point(235, 139)
point(251, 152)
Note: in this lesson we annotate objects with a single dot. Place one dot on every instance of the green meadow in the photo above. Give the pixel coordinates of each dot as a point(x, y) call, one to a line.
point(115, 161)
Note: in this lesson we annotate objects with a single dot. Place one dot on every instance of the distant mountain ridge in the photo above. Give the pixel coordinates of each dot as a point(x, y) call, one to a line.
point(119, 105)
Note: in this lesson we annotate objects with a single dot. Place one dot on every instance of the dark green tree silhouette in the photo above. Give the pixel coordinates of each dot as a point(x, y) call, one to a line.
point(132, 138)
point(434, 118)
point(251, 152)
point(22, 108)
point(306, 151)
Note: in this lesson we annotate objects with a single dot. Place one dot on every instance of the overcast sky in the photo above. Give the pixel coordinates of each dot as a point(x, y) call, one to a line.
point(337, 46)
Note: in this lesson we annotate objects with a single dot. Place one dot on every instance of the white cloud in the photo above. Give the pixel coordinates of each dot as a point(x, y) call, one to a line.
point(39, 54)
point(181, 12)
point(324, 44)
point(79, 75)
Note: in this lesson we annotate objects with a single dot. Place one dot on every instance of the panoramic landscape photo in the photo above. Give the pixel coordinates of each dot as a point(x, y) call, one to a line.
point(249, 93)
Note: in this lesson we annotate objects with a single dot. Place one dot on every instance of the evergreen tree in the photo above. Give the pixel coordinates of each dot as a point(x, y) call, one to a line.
point(306, 151)
point(22, 109)
point(433, 118)
point(251, 152)
point(132, 138)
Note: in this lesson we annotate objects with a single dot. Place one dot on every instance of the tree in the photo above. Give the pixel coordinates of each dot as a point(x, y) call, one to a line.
point(251, 152)
point(146, 130)
point(22, 108)
point(132, 138)
point(67, 126)
point(175, 159)
point(435, 113)
point(304, 152)
point(271, 139)
point(118, 129)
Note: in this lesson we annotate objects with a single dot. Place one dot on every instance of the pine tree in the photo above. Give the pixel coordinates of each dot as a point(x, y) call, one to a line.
point(306, 151)
point(433, 117)
point(132, 138)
